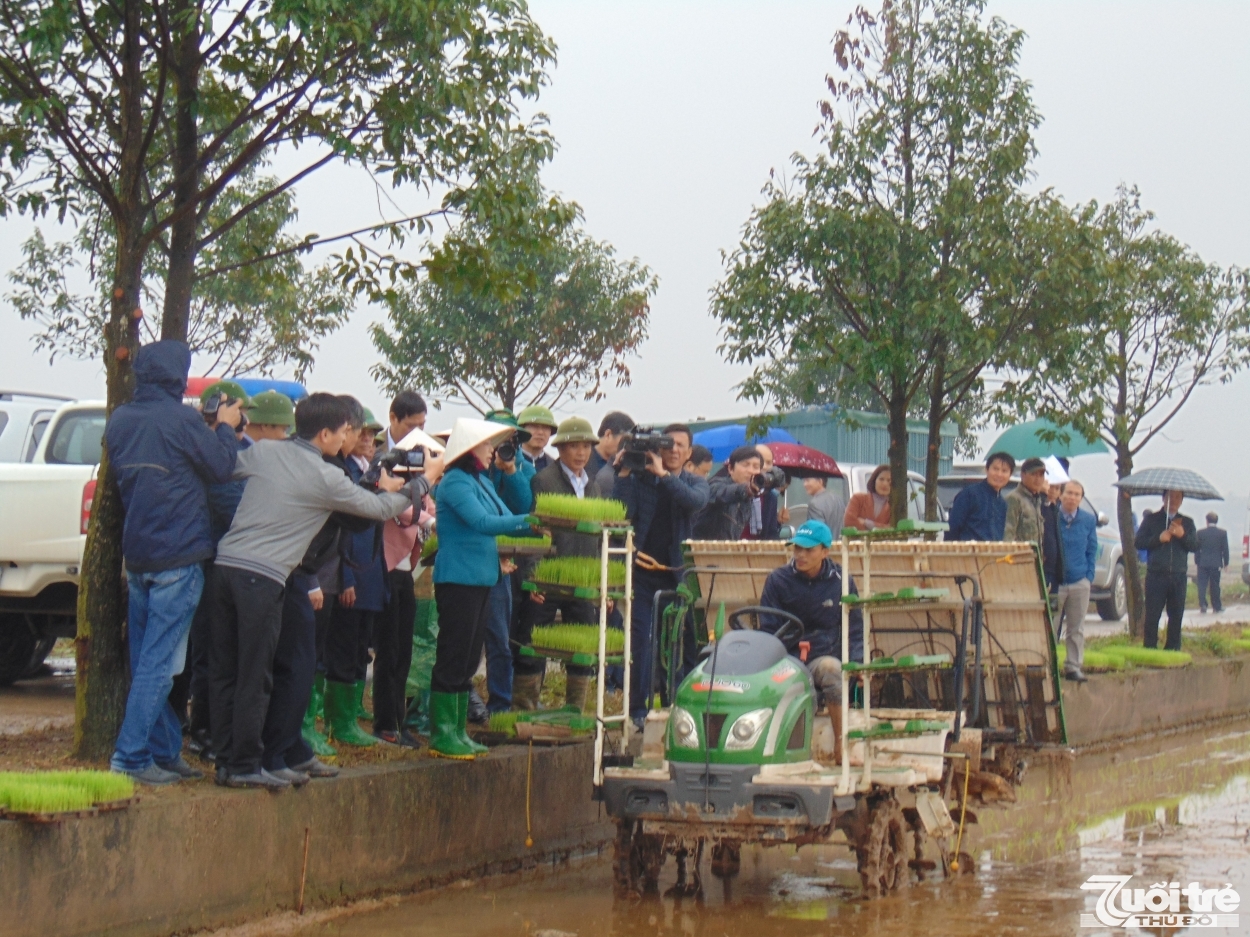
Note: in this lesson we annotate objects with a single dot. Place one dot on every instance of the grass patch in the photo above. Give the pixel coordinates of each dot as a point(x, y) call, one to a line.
point(573, 508)
point(61, 791)
point(577, 571)
point(577, 639)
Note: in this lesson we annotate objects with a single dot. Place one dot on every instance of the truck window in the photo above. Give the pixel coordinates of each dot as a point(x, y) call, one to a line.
point(37, 429)
point(4, 421)
point(77, 439)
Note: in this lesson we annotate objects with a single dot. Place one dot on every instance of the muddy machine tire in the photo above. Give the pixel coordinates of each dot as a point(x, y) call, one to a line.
point(637, 860)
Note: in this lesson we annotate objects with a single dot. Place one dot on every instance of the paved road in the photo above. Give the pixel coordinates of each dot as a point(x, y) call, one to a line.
point(1095, 627)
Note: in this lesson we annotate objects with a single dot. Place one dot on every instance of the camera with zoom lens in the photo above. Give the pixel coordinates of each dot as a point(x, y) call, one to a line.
point(209, 409)
point(396, 462)
point(507, 449)
point(640, 441)
point(767, 481)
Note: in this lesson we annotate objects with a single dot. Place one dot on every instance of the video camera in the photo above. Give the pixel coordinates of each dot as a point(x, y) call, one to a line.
point(640, 441)
point(396, 462)
point(767, 481)
point(507, 449)
point(214, 403)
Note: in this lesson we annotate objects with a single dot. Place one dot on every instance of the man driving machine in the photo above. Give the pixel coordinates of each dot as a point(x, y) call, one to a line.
point(810, 588)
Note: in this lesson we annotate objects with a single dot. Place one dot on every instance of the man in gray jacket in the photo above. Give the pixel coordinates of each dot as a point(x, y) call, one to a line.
point(290, 494)
point(731, 498)
point(1025, 523)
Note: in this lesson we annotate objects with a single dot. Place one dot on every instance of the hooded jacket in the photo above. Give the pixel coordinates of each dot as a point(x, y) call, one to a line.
point(164, 457)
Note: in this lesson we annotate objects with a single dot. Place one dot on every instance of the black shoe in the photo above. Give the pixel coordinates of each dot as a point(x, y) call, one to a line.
point(182, 769)
point(262, 779)
point(297, 778)
point(220, 776)
point(478, 714)
point(408, 740)
point(1076, 676)
point(314, 767)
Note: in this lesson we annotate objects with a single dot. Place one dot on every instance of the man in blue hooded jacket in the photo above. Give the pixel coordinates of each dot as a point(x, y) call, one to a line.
point(163, 458)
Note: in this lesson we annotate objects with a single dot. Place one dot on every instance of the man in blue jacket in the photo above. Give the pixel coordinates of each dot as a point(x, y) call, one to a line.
point(810, 588)
point(980, 510)
point(662, 502)
point(1078, 531)
point(163, 457)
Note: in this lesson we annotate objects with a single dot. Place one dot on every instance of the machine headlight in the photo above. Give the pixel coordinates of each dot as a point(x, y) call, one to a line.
point(747, 729)
point(685, 732)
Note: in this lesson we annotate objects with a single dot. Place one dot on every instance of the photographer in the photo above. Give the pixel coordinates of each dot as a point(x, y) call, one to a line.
point(291, 493)
point(163, 456)
point(731, 497)
point(613, 428)
point(661, 500)
point(768, 514)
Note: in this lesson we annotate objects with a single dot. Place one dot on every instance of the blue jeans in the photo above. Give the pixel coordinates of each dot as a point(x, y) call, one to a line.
point(498, 650)
point(162, 606)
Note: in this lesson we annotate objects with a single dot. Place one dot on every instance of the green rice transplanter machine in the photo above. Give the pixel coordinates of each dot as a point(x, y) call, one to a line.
point(958, 688)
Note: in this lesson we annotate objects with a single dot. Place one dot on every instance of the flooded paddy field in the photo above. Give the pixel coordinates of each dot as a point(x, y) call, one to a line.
point(1171, 810)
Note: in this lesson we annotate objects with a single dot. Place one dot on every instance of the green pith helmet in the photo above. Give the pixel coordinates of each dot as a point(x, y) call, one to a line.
point(371, 422)
point(507, 419)
point(536, 414)
point(270, 408)
point(229, 388)
point(575, 429)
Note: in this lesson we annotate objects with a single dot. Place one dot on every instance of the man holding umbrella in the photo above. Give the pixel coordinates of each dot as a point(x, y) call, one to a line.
point(1168, 537)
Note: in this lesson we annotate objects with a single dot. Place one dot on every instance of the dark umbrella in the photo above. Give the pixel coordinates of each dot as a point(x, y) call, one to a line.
point(801, 461)
point(1155, 481)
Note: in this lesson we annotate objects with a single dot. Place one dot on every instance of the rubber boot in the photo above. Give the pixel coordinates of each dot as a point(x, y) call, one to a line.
point(341, 716)
point(316, 741)
point(462, 721)
point(445, 718)
point(576, 687)
point(361, 712)
point(525, 690)
point(418, 717)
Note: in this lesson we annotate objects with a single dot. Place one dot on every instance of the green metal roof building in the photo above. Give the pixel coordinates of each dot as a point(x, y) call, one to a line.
point(868, 441)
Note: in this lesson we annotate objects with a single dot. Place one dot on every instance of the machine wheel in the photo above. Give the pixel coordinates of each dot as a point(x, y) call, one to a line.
point(636, 861)
point(726, 858)
point(1116, 607)
point(883, 856)
point(22, 650)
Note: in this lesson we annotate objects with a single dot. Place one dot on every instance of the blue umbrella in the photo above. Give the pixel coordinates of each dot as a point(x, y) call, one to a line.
point(255, 385)
point(725, 439)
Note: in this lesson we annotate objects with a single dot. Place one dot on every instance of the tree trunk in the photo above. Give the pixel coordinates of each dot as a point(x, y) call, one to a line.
point(103, 664)
point(898, 453)
point(1132, 569)
point(184, 230)
point(933, 451)
point(102, 678)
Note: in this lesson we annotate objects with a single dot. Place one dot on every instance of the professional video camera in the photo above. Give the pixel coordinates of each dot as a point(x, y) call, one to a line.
point(396, 462)
point(640, 441)
point(767, 481)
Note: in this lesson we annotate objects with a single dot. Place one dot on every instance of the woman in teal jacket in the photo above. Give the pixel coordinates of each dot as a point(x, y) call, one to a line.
point(469, 516)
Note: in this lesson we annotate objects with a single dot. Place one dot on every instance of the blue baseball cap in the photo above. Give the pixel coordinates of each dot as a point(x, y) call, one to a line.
point(813, 534)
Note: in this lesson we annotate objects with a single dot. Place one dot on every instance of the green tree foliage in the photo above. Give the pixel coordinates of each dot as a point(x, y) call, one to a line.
point(1168, 323)
point(516, 311)
point(254, 307)
point(151, 109)
point(905, 258)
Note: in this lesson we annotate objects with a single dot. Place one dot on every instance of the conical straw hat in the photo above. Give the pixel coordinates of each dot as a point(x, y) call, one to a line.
point(466, 434)
point(419, 437)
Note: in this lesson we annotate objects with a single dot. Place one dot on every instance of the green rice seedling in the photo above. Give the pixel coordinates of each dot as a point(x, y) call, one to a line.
point(29, 793)
point(430, 547)
point(578, 572)
point(102, 786)
point(1105, 659)
point(1153, 657)
point(577, 639)
point(503, 722)
point(1242, 644)
point(505, 541)
point(573, 508)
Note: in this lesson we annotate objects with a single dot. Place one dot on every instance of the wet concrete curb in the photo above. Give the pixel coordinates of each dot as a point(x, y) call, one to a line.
point(217, 857)
point(1112, 707)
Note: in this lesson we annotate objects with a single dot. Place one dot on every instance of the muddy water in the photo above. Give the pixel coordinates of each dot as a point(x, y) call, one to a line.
point(1176, 810)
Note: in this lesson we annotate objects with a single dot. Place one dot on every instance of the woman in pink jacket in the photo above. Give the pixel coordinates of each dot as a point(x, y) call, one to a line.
point(870, 509)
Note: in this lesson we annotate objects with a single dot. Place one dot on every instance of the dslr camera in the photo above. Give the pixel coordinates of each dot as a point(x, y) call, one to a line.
point(396, 462)
point(210, 407)
point(640, 441)
point(767, 481)
point(507, 449)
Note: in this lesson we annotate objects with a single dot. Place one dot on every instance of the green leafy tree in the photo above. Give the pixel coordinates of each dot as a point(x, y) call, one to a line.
point(248, 315)
point(1168, 324)
point(528, 311)
point(151, 109)
point(892, 262)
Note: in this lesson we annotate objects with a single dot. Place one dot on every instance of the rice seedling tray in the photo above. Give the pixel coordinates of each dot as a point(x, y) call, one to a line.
point(516, 549)
point(569, 592)
point(571, 657)
point(581, 527)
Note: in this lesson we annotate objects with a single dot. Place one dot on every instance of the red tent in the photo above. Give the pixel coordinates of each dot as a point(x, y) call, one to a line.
point(801, 461)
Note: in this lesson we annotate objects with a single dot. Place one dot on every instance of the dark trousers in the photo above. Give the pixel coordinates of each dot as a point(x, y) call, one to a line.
point(642, 637)
point(1209, 580)
point(246, 622)
point(294, 666)
point(534, 614)
point(323, 616)
point(392, 646)
point(346, 653)
point(1165, 590)
point(463, 616)
point(192, 684)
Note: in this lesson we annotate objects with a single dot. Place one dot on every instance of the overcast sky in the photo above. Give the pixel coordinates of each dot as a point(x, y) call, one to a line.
point(670, 115)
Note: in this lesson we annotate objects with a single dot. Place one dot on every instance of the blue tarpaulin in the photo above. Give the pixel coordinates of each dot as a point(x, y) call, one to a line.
point(725, 439)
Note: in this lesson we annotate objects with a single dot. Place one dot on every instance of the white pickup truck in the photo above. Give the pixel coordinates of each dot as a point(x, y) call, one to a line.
point(50, 453)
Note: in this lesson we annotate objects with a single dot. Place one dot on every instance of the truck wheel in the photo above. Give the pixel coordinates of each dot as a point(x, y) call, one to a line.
point(883, 856)
point(1115, 607)
point(636, 860)
point(19, 646)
